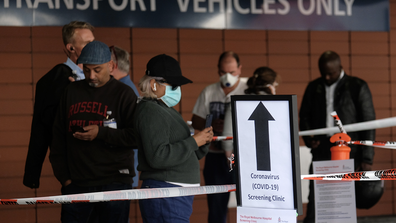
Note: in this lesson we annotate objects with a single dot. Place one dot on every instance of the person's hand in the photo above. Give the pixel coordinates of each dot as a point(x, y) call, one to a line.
point(204, 136)
point(228, 153)
point(218, 125)
point(67, 183)
point(312, 143)
point(364, 167)
point(230, 159)
point(89, 135)
point(71, 79)
point(315, 144)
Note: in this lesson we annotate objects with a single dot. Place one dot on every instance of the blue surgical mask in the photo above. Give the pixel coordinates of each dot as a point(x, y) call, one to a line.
point(171, 97)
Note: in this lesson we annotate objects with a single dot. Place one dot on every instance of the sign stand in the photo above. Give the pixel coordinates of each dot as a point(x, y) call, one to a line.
point(267, 158)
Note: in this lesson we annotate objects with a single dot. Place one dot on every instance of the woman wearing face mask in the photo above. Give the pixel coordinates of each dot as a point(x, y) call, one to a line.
point(168, 154)
point(263, 82)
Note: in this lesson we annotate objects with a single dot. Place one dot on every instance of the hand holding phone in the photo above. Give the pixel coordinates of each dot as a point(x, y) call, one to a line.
point(76, 128)
point(88, 133)
point(73, 76)
point(204, 137)
point(208, 121)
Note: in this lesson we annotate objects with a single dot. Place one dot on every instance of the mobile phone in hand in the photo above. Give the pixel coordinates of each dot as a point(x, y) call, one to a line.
point(208, 121)
point(76, 128)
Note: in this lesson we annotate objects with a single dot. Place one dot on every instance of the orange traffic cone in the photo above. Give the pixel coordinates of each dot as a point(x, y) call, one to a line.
point(341, 150)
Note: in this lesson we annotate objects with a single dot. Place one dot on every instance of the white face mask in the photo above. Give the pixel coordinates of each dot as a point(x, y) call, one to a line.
point(262, 93)
point(229, 80)
point(272, 88)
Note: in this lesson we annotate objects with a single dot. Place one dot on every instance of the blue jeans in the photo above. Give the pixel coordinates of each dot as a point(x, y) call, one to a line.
point(105, 212)
point(165, 210)
point(216, 172)
point(135, 183)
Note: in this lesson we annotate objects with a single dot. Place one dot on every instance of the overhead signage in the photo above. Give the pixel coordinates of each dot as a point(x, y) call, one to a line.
point(267, 151)
point(362, 15)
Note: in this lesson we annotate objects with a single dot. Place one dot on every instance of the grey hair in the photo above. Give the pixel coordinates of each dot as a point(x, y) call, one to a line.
point(145, 88)
point(120, 57)
point(68, 30)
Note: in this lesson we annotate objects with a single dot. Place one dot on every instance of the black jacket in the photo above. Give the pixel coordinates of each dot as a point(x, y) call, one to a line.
point(49, 90)
point(352, 102)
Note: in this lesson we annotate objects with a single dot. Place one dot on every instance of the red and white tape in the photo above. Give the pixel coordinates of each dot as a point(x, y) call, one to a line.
point(389, 174)
point(135, 194)
point(222, 138)
point(338, 122)
point(382, 144)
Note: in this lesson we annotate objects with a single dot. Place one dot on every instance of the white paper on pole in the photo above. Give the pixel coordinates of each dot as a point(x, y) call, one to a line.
point(334, 200)
point(260, 215)
point(268, 189)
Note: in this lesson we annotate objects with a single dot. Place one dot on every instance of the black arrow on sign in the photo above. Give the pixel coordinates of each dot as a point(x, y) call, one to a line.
point(261, 117)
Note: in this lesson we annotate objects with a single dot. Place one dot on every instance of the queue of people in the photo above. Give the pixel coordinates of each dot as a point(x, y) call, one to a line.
point(101, 132)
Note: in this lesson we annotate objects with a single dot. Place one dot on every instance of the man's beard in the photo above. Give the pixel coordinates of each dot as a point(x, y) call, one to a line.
point(93, 84)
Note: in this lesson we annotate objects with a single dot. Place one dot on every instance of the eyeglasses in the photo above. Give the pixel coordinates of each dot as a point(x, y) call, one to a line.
point(162, 82)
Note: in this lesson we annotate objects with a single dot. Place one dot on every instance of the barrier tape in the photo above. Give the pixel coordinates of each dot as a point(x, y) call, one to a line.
point(135, 194)
point(338, 121)
point(222, 138)
point(389, 174)
point(382, 144)
point(375, 124)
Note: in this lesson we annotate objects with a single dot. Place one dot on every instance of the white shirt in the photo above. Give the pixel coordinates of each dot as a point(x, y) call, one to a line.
point(228, 145)
point(214, 94)
point(75, 69)
point(330, 100)
point(213, 100)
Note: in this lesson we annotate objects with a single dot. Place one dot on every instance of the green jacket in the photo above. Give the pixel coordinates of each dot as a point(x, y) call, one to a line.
point(167, 151)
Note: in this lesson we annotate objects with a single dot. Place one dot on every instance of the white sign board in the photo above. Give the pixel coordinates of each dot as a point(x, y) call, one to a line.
point(334, 200)
point(255, 215)
point(266, 145)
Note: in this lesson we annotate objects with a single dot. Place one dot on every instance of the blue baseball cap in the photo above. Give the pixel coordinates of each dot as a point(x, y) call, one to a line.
point(94, 52)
